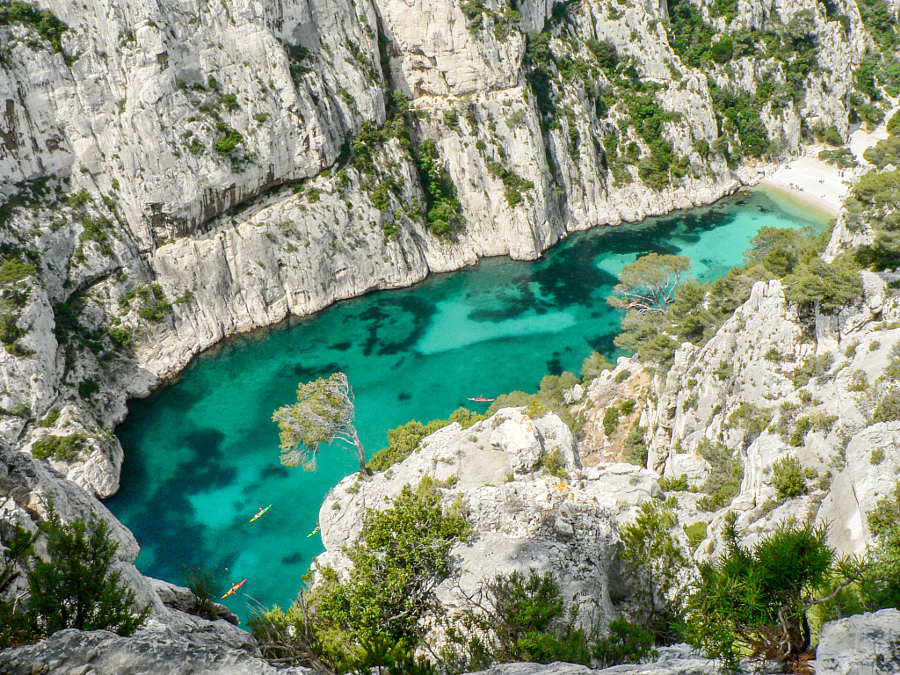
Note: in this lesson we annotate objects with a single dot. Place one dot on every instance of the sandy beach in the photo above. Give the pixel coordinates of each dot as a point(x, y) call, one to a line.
point(810, 181)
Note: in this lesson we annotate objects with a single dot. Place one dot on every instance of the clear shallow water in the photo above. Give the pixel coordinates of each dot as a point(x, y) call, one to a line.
point(201, 455)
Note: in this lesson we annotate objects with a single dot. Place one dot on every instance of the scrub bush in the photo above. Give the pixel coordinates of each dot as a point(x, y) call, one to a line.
point(788, 478)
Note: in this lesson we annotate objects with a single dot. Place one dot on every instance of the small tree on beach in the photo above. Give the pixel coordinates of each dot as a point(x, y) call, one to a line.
point(648, 284)
point(323, 413)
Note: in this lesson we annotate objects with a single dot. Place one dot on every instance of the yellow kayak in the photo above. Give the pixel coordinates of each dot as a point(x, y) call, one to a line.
point(262, 512)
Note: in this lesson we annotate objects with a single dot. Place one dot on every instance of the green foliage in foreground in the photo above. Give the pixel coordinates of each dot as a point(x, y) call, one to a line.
point(754, 602)
point(656, 559)
point(75, 587)
point(403, 553)
point(405, 439)
point(522, 617)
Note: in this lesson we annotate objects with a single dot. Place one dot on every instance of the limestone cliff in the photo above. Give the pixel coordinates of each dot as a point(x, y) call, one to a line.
point(172, 173)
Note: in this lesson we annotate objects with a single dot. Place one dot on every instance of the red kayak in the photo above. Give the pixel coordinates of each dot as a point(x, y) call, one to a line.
point(481, 399)
point(234, 588)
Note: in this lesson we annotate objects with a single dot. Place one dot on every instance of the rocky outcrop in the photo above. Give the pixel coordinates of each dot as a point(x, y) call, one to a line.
point(775, 384)
point(522, 516)
point(677, 660)
point(180, 646)
point(864, 643)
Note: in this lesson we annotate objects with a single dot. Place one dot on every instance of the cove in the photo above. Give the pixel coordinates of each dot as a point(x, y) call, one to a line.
point(201, 454)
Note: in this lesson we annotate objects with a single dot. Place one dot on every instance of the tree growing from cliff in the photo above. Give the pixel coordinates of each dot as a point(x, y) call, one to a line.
point(755, 601)
point(401, 556)
point(658, 563)
point(76, 586)
point(323, 413)
point(648, 285)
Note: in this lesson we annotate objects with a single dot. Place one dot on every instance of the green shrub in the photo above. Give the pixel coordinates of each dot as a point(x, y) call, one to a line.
point(44, 22)
point(444, 213)
point(75, 586)
point(754, 602)
point(724, 480)
point(206, 585)
point(888, 408)
point(554, 464)
point(653, 555)
point(752, 419)
point(402, 442)
point(226, 145)
point(519, 617)
point(626, 642)
point(859, 382)
point(636, 446)
point(14, 270)
point(814, 366)
point(880, 583)
point(65, 448)
point(877, 457)
point(49, 420)
point(593, 365)
point(696, 533)
point(121, 336)
point(679, 484)
point(788, 478)
point(621, 377)
point(403, 553)
point(611, 420)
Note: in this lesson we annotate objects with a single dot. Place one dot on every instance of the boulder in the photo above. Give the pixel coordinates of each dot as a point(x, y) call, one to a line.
point(863, 643)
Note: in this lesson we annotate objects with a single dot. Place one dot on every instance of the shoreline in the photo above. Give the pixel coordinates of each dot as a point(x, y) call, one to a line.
point(793, 199)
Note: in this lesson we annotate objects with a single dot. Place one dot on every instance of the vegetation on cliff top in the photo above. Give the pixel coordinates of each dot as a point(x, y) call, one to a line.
point(75, 586)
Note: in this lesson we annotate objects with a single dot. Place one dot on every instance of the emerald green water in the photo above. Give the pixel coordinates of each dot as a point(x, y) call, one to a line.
point(201, 455)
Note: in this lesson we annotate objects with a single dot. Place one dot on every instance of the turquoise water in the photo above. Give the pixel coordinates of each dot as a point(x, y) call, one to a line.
point(201, 455)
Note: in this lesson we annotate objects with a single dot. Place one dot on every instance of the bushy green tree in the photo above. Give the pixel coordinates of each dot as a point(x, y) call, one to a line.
point(402, 555)
point(76, 586)
point(827, 286)
point(755, 601)
point(788, 478)
point(648, 285)
point(655, 556)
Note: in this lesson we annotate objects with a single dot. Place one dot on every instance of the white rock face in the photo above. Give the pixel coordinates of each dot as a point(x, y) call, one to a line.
point(181, 646)
point(519, 521)
point(864, 643)
point(750, 370)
